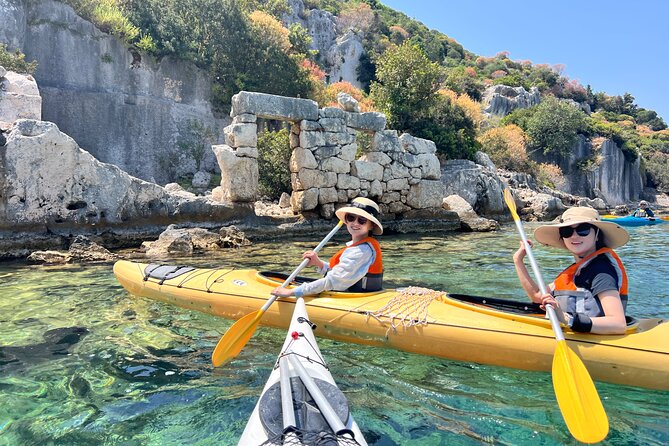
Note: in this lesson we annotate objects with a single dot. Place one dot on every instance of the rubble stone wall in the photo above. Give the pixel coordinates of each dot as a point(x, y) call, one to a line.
point(400, 172)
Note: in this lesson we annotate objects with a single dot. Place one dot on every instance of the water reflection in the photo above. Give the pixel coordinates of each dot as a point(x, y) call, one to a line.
point(82, 362)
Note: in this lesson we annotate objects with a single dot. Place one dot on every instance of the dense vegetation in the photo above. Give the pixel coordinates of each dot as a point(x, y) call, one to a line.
point(425, 81)
point(15, 61)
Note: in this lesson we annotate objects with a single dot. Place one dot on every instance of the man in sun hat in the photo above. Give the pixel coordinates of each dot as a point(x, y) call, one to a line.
point(358, 267)
point(643, 210)
point(591, 294)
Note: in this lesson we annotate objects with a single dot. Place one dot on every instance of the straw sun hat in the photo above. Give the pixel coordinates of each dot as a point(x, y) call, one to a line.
point(614, 235)
point(363, 207)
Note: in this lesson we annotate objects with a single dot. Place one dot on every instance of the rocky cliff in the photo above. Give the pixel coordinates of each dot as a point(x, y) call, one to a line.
point(123, 107)
point(51, 187)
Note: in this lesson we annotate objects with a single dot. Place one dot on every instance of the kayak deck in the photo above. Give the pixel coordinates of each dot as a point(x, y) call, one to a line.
point(301, 403)
point(464, 328)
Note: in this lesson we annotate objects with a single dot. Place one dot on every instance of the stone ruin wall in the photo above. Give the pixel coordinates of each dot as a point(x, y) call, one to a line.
point(400, 172)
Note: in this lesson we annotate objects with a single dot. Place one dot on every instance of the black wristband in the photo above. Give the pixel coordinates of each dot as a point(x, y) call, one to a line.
point(582, 323)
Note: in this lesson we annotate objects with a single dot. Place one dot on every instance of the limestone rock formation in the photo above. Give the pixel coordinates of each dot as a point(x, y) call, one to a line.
point(19, 98)
point(186, 241)
point(344, 58)
point(470, 221)
point(82, 249)
point(339, 53)
point(500, 100)
point(123, 107)
point(479, 186)
point(50, 184)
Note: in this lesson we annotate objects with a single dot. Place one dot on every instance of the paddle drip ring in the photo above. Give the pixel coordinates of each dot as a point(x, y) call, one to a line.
point(407, 308)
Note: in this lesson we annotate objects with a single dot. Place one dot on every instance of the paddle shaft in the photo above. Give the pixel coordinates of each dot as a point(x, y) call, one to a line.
point(552, 316)
point(290, 278)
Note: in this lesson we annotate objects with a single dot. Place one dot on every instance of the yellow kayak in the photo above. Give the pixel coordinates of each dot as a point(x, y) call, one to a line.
point(459, 327)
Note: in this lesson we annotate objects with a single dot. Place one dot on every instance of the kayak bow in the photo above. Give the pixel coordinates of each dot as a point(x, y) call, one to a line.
point(301, 403)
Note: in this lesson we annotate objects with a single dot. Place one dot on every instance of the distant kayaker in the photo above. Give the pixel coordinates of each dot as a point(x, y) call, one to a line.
point(643, 210)
point(358, 267)
point(590, 295)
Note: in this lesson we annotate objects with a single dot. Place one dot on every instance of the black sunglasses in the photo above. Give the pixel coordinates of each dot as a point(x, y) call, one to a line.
point(583, 229)
point(350, 218)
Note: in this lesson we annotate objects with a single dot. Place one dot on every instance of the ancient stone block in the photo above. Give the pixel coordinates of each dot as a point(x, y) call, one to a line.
point(274, 107)
point(309, 139)
point(239, 175)
point(302, 159)
point(241, 135)
point(426, 194)
point(327, 195)
point(417, 146)
point(367, 170)
point(369, 121)
point(376, 157)
point(304, 200)
point(336, 165)
point(386, 141)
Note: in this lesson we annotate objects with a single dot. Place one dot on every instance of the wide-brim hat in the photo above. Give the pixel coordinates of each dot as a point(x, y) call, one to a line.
point(614, 234)
point(363, 207)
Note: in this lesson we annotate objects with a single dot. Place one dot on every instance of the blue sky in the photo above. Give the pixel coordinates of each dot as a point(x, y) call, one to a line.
point(615, 46)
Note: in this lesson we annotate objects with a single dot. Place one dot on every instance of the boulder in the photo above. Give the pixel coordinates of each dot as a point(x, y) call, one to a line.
point(347, 102)
point(19, 99)
point(479, 186)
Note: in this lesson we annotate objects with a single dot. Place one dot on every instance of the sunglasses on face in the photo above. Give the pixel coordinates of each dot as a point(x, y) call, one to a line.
point(350, 218)
point(582, 230)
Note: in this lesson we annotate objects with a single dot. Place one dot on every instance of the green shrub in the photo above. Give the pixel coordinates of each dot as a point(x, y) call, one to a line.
point(15, 61)
point(554, 127)
point(111, 19)
point(274, 163)
point(407, 83)
point(449, 127)
point(657, 168)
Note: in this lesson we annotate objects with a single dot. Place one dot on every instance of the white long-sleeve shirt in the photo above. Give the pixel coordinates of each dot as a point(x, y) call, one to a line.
point(353, 265)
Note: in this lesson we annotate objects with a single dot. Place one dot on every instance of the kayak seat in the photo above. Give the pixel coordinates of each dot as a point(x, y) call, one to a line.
point(281, 277)
point(165, 272)
point(510, 306)
point(513, 306)
point(308, 416)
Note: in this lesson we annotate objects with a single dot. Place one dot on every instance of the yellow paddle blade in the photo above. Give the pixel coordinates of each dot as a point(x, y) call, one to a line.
point(577, 397)
point(237, 336)
point(510, 203)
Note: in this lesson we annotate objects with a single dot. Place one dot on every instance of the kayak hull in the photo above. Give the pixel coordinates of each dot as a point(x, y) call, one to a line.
point(635, 221)
point(454, 329)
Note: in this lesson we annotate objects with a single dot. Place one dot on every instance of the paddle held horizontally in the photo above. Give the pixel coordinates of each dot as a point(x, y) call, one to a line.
point(237, 336)
point(575, 392)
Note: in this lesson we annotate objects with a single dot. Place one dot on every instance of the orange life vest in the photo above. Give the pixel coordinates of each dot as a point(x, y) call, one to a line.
point(580, 300)
point(373, 280)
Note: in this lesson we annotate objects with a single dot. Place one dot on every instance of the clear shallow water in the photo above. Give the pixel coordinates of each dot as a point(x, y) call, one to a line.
point(82, 362)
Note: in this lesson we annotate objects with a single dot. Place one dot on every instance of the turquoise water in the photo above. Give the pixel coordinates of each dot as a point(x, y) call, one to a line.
point(82, 362)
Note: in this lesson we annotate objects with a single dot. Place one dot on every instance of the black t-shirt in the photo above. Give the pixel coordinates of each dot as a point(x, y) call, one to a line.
point(598, 276)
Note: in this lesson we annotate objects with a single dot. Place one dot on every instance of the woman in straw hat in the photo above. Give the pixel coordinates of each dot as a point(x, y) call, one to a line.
point(591, 294)
point(357, 267)
point(643, 210)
